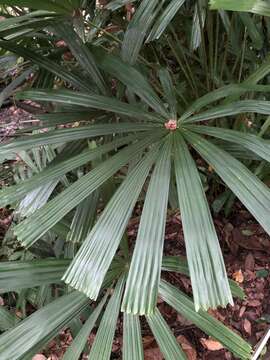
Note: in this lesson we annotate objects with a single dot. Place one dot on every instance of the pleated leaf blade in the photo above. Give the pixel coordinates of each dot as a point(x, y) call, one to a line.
point(254, 194)
point(87, 271)
point(77, 346)
point(17, 275)
point(132, 338)
point(207, 270)
point(43, 324)
point(144, 273)
point(165, 338)
point(102, 346)
point(211, 326)
point(249, 141)
point(36, 225)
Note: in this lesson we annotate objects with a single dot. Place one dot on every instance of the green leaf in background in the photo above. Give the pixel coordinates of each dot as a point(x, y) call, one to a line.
point(137, 30)
point(82, 53)
point(164, 19)
point(44, 323)
point(47, 64)
point(90, 101)
point(207, 270)
point(61, 6)
point(260, 7)
point(7, 319)
point(169, 91)
point(132, 78)
point(16, 275)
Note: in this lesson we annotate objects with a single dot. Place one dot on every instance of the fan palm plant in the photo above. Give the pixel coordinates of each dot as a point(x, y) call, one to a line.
point(140, 120)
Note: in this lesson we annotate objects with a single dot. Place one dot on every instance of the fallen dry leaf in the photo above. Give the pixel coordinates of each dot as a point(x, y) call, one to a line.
point(187, 347)
point(250, 262)
point(153, 354)
point(247, 326)
point(242, 311)
point(254, 303)
point(211, 344)
point(238, 276)
point(183, 321)
point(147, 341)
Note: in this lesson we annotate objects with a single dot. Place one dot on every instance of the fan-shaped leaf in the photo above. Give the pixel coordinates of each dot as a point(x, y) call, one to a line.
point(88, 269)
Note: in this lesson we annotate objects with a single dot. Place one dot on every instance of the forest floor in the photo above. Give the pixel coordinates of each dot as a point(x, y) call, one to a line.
point(246, 249)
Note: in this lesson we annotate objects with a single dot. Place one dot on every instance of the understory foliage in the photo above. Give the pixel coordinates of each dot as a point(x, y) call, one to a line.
point(152, 104)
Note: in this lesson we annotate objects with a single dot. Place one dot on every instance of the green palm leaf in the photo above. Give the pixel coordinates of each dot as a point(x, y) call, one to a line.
point(7, 319)
point(77, 346)
point(88, 269)
point(182, 304)
point(238, 107)
point(90, 101)
point(144, 274)
point(259, 7)
point(249, 141)
point(61, 136)
point(229, 90)
point(102, 346)
point(57, 169)
point(247, 187)
point(29, 334)
point(179, 264)
point(132, 338)
point(207, 270)
point(16, 275)
point(31, 229)
point(165, 338)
